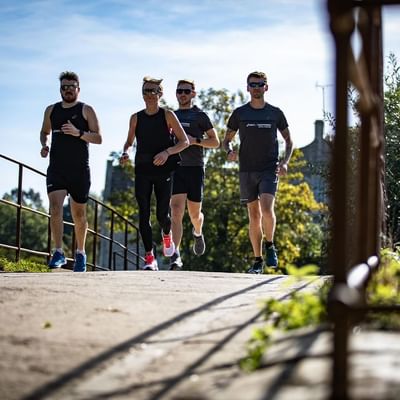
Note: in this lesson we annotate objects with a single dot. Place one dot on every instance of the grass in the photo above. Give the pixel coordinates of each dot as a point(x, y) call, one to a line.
point(22, 266)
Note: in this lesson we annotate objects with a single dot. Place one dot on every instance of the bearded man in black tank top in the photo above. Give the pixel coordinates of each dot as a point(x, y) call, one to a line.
point(72, 125)
point(154, 130)
point(259, 166)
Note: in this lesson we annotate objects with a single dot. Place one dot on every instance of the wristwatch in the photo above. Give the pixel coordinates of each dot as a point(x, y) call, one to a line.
point(81, 133)
point(198, 140)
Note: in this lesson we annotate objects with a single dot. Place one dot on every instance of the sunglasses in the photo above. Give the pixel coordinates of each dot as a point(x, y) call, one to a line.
point(181, 91)
point(66, 87)
point(151, 91)
point(256, 84)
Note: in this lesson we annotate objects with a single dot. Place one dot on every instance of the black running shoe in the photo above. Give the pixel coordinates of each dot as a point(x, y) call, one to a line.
point(256, 268)
point(272, 258)
point(176, 263)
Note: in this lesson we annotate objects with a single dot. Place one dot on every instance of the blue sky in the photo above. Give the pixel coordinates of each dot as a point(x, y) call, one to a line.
point(113, 44)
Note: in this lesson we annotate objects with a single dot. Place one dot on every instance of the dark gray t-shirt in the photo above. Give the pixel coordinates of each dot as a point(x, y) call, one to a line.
point(195, 122)
point(257, 127)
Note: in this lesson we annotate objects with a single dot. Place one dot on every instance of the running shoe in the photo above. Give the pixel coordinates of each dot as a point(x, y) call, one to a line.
point(168, 245)
point(150, 263)
point(199, 246)
point(256, 268)
point(80, 262)
point(58, 260)
point(176, 263)
point(272, 258)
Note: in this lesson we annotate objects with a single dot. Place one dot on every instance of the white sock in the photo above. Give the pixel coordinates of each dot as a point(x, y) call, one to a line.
point(60, 250)
point(80, 251)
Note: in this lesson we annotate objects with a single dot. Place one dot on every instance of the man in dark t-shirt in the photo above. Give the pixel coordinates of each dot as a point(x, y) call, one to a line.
point(259, 165)
point(72, 125)
point(188, 184)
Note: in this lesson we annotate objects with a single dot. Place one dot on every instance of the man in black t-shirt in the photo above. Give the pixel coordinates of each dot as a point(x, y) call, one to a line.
point(188, 184)
point(72, 125)
point(259, 166)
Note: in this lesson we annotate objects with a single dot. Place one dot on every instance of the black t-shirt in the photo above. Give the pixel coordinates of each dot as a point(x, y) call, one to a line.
point(68, 152)
point(195, 122)
point(258, 148)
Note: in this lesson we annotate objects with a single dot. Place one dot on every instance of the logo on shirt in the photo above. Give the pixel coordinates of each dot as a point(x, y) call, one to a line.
point(259, 126)
point(185, 124)
point(74, 116)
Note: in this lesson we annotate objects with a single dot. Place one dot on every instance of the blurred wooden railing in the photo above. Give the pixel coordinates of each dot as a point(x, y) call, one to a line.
point(358, 218)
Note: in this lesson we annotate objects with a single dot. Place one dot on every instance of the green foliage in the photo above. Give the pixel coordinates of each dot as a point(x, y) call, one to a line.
point(22, 266)
point(392, 144)
point(301, 309)
point(384, 289)
point(310, 309)
point(34, 227)
point(298, 238)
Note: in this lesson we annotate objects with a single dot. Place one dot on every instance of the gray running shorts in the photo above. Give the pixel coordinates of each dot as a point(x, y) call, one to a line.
point(252, 184)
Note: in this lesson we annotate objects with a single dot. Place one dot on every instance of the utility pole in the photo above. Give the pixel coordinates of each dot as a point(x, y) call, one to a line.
point(322, 87)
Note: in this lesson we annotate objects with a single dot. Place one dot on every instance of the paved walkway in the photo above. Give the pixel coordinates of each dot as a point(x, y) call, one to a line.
point(167, 335)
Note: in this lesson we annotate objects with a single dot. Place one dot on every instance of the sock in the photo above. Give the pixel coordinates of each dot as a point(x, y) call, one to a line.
point(80, 251)
point(268, 244)
point(60, 250)
point(258, 258)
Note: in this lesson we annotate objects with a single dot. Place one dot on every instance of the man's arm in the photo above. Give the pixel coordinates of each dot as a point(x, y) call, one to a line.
point(45, 132)
point(92, 135)
point(227, 146)
point(283, 164)
point(210, 142)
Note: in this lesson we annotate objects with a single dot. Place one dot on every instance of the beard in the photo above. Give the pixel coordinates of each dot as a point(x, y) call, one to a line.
point(69, 97)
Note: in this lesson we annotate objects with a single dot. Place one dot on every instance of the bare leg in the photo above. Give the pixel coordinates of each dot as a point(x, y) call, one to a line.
point(56, 200)
point(267, 202)
point(177, 212)
point(255, 228)
point(196, 216)
point(78, 211)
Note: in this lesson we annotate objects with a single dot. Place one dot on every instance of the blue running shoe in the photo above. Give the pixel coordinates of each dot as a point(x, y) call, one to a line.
point(272, 259)
point(256, 268)
point(80, 262)
point(58, 260)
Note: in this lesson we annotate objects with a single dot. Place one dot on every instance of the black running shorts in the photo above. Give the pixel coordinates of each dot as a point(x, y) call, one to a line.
point(189, 180)
point(76, 183)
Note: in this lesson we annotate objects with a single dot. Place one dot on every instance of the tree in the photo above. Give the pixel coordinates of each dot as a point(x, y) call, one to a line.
point(392, 145)
point(34, 227)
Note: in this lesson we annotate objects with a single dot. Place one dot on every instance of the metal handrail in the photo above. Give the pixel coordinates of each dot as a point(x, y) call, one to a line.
point(115, 216)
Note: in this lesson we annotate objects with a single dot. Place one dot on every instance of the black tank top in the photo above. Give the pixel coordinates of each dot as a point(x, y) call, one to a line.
point(68, 152)
point(152, 137)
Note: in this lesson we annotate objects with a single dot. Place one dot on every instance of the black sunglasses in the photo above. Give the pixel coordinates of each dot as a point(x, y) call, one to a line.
point(151, 91)
point(181, 91)
point(256, 84)
point(66, 87)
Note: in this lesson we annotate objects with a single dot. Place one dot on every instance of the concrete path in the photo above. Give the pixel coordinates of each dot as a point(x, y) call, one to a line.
point(160, 335)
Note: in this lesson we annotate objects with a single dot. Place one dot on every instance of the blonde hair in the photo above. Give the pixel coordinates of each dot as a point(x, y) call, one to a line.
point(149, 79)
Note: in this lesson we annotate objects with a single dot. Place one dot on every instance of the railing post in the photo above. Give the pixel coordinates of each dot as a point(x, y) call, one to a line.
point(110, 250)
point(19, 212)
point(96, 210)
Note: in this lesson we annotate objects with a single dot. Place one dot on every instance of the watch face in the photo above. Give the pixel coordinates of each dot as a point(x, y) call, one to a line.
point(198, 140)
